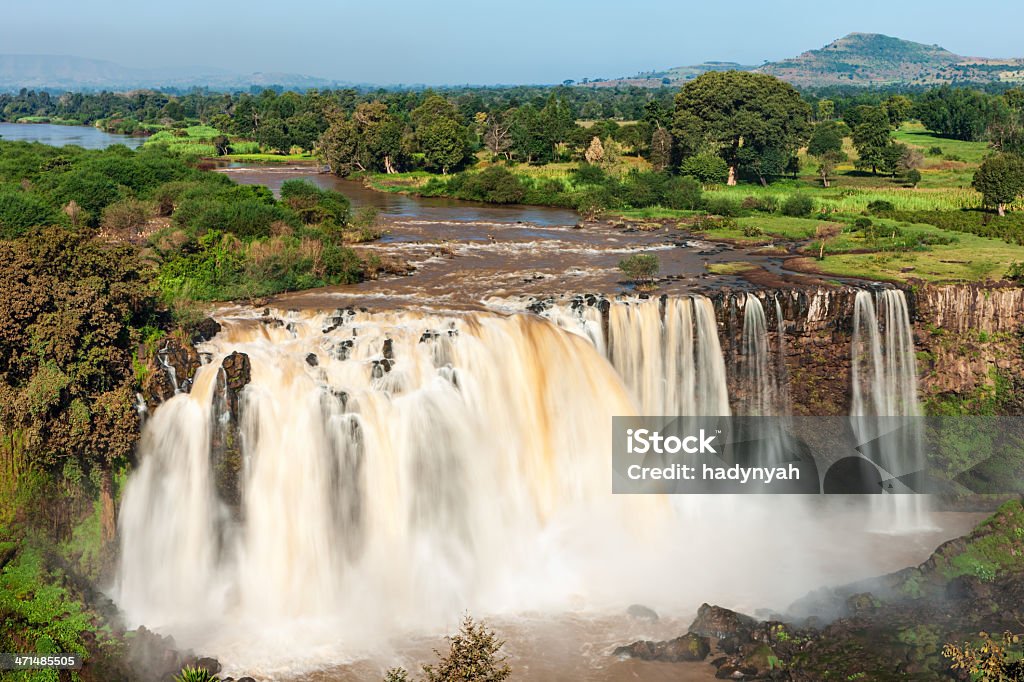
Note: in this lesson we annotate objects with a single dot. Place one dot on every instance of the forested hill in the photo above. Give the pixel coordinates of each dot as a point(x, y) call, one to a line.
point(867, 59)
point(875, 59)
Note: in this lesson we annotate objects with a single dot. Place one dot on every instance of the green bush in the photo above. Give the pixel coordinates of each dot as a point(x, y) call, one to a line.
point(590, 174)
point(752, 231)
point(862, 223)
point(723, 206)
point(798, 206)
point(640, 267)
point(683, 193)
point(494, 184)
point(707, 168)
point(21, 210)
point(880, 207)
point(313, 204)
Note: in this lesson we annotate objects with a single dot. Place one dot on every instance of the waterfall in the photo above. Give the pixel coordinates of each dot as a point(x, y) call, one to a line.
point(382, 473)
point(758, 381)
point(432, 462)
point(884, 406)
point(883, 365)
point(670, 359)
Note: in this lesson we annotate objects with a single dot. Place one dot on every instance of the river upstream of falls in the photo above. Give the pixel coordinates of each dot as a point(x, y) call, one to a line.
point(400, 468)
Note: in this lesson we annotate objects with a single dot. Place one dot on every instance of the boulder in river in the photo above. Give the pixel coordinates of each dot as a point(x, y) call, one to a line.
point(689, 647)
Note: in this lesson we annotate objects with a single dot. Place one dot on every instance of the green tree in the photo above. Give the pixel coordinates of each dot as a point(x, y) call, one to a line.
point(960, 113)
point(826, 144)
point(71, 309)
point(743, 116)
point(826, 110)
point(640, 268)
point(871, 137)
point(899, 109)
point(443, 144)
point(1000, 179)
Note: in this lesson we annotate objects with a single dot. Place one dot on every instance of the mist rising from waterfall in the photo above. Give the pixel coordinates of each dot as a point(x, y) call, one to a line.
point(398, 469)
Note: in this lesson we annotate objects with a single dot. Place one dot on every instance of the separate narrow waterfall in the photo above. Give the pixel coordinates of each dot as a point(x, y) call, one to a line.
point(670, 359)
point(884, 405)
point(756, 368)
point(883, 364)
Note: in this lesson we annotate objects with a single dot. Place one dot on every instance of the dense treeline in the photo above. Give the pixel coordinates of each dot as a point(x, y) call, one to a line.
point(205, 236)
point(294, 114)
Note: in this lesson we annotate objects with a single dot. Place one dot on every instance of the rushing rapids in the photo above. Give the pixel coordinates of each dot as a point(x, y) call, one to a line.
point(397, 468)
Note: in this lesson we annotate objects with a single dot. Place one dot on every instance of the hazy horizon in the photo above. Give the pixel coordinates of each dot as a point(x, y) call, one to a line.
point(454, 42)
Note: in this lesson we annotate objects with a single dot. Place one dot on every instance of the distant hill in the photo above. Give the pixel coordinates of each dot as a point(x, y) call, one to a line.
point(654, 79)
point(62, 72)
point(875, 59)
point(857, 59)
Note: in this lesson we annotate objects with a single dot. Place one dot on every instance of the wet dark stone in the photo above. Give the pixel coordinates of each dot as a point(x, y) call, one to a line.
point(312, 360)
point(210, 665)
point(206, 330)
point(388, 351)
point(689, 647)
point(719, 623)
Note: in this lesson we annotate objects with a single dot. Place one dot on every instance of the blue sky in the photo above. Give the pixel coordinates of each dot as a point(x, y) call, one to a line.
point(457, 41)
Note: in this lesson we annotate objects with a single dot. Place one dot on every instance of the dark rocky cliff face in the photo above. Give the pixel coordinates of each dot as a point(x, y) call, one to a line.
point(965, 335)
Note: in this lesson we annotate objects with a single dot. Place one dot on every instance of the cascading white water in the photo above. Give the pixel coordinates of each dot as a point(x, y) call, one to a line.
point(671, 361)
point(398, 469)
point(883, 362)
point(883, 371)
point(451, 470)
point(758, 380)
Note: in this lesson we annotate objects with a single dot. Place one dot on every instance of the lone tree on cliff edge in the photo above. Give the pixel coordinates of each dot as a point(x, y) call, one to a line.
point(1000, 179)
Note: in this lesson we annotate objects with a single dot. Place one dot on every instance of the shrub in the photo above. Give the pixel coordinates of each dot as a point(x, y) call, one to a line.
point(935, 151)
point(494, 184)
point(798, 206)
point(315, 205)
point(752, 231)
point(707, 168)
point(765, 204)
point(862, 223)
point(723, 206)
point(594, 201)
point(683, 193)
point(473, 656)
point(1016, 271)
point(127, 218)
point(590, 174)
point(21, 210)
point(190, 674)
point(640, 267)
point(880, 207)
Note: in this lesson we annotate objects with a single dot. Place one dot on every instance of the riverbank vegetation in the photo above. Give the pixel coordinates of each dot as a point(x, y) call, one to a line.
point(201, 235)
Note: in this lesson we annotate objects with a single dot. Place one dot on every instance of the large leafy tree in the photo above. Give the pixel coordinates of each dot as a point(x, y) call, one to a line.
point(443, 144)
point(371, 139)
point(872, 136)
point(752, 120)
point(1000, 179)
point(71, 308)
